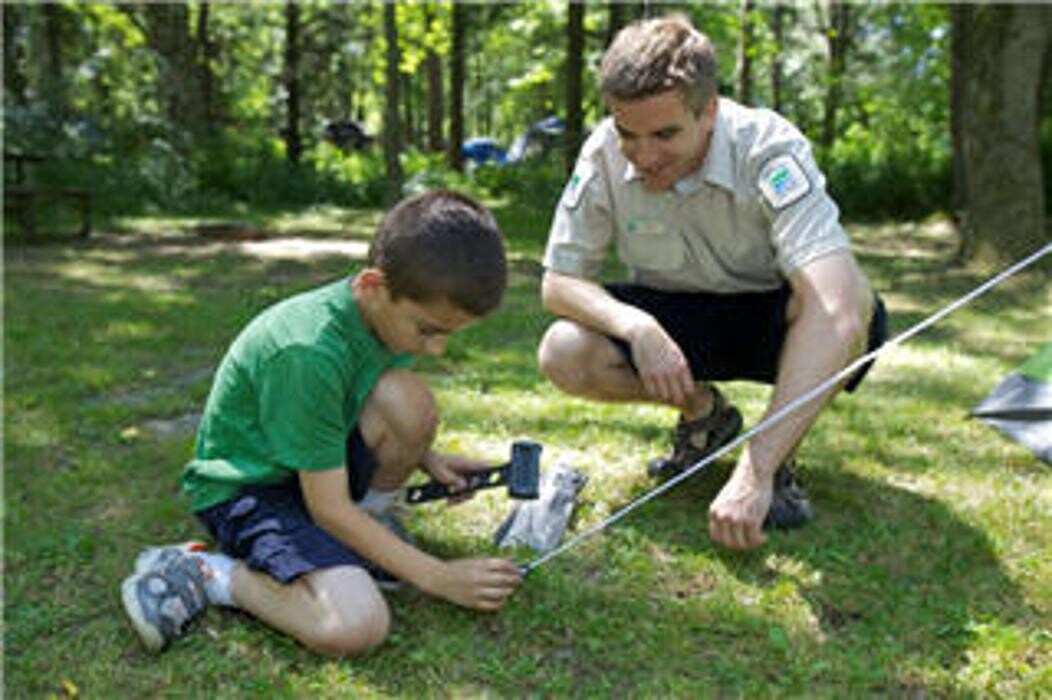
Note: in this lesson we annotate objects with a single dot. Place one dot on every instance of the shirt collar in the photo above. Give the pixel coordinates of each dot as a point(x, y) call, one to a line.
point(718, 167)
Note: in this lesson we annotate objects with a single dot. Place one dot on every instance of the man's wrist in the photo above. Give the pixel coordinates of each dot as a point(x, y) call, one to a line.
point(637, 324)
point(757, 465)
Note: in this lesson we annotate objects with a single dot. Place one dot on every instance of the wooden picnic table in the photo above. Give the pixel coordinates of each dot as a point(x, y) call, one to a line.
point(23, 197)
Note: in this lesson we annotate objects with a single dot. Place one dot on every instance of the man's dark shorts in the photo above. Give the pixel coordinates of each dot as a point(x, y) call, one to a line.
point(269, 528)
point(731, 336)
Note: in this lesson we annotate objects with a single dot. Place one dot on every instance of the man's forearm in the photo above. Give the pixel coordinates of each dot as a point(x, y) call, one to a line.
point(804, 364)
point(590, 304)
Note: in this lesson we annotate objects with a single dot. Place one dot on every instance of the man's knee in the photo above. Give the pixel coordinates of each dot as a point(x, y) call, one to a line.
point(562, 356)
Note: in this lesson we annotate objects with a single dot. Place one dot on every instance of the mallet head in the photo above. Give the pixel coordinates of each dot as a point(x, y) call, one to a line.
point(524, 470)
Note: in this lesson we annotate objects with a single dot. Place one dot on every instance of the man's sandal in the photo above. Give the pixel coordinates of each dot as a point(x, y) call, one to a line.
point(790, 507)
point(693, 440)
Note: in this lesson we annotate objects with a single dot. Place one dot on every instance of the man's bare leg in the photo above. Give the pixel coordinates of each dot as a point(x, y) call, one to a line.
point(584, 363)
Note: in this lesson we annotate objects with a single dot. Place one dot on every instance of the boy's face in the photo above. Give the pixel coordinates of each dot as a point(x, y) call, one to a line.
point(407, 326)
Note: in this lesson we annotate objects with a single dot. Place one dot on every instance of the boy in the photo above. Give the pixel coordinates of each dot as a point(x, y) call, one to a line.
point(312, 425)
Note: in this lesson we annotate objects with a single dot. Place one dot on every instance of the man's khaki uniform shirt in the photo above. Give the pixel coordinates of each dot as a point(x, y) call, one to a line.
point(756, 211)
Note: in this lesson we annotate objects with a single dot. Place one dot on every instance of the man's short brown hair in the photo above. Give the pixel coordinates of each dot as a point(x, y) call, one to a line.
point(441, 245)
point(652, 56)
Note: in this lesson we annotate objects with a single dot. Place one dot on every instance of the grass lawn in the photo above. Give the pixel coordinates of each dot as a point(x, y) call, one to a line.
point(928, 571)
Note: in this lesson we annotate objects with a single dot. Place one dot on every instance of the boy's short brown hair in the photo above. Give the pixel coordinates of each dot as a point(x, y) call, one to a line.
point(652, 56)
point(442, 245)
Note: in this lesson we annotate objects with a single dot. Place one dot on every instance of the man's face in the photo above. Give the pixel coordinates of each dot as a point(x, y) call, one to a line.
point(662, 137)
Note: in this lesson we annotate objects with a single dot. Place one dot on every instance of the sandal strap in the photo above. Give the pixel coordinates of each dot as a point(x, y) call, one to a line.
point(706, 422)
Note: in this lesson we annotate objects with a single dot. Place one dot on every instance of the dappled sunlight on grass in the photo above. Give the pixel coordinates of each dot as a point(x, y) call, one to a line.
point(933, 240)
point(326, 221)
point(926, 570)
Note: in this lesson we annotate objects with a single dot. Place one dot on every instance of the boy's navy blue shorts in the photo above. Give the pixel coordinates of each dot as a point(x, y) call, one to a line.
point(269, 528)
point(731, 336)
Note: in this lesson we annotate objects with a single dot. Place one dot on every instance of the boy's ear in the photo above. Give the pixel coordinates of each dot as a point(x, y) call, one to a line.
point(370, 280)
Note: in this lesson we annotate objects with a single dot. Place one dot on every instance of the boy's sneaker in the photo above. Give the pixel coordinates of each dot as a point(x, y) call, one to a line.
point(694, 440)
point(165, 594)
point(790, 507)
point(390, 520)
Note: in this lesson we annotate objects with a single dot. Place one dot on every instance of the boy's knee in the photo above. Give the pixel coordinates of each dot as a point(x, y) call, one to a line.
point(354, 634)
point(407, 405)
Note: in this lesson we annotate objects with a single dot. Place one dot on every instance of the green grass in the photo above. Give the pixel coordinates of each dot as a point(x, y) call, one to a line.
point(928, 571)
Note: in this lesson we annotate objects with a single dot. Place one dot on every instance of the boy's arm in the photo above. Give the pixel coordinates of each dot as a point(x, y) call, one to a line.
point(482, 584)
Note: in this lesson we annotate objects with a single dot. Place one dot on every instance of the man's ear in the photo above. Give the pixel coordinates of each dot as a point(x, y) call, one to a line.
point(709, 111)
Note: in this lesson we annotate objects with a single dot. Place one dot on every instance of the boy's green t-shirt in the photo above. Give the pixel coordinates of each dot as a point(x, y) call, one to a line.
point(287, 394)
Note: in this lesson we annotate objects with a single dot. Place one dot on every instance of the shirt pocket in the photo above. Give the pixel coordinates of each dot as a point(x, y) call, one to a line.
point(650, 244)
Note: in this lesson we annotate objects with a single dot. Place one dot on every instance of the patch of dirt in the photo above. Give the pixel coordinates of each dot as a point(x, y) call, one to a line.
point(185, 424)
point(188, 244)
point(144, 395)
point(230, 231)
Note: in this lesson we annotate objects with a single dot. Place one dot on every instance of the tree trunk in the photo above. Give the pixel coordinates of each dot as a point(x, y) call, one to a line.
point(960, 47)
point(167, 31)
point(456, 86)
point(206, 61)
point(617, 17)
point(53, 83)
point(777, 67)
point(998, 112)
point(838, 40)
point(16, 30)
point(409, 125)
point(291, 79)
point(574, 71)
point(392, 127)
point(435, 108)
point(743, 89)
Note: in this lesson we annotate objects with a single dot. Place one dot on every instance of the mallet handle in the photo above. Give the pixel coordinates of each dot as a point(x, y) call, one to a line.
point(434, 490)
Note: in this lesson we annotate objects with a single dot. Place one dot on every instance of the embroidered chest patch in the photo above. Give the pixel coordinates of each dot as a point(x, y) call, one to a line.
point(783, 181)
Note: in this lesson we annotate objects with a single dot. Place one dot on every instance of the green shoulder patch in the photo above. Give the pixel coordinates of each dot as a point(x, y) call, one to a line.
point(575, 188)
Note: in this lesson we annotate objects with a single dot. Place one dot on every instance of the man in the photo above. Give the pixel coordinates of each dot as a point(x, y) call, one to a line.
point(740, 270)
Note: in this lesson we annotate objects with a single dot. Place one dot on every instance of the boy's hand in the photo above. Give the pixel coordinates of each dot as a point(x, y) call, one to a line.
point(478, 584)
point(452, 471)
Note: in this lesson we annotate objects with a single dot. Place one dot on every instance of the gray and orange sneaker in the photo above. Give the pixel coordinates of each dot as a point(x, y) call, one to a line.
point(165, 594)
point(693, 440)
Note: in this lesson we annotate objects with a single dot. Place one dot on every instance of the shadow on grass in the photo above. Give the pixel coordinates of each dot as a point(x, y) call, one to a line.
point(873, 587)
point(885, 578)
point(617, 616)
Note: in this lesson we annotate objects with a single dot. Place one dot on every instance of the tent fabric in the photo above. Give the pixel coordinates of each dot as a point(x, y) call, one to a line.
point(540, 524)
point(1020, 406)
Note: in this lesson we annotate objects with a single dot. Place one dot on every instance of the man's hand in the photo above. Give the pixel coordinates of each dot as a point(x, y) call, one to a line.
point(736, 515)
point(477, 584)
point(661, 365)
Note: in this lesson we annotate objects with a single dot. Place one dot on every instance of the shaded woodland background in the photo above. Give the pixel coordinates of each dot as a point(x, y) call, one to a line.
point(914, 109)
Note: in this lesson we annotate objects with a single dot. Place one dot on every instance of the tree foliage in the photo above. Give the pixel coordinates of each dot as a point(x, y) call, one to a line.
point(191, 105)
